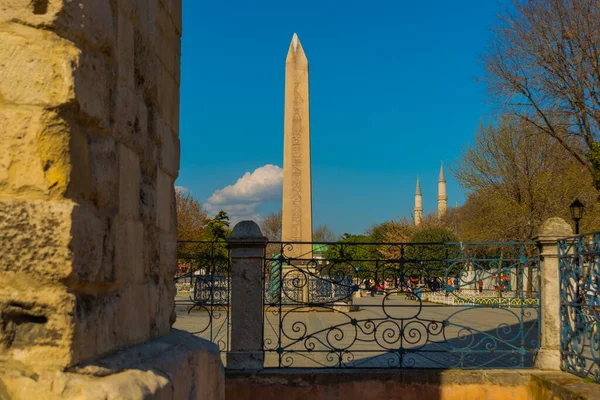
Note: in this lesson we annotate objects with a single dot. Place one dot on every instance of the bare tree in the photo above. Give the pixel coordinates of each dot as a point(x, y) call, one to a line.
point(544, 63)
point(322, 233)
point(516, 179)
point(191, 217)
point(271, 226)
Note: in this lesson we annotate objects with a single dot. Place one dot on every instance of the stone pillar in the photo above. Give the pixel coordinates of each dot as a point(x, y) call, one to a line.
point(306, 288)
point(89, 152)
point(247, 245)
point(551, 230)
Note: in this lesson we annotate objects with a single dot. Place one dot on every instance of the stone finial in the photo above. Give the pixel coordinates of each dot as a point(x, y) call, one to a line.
point(556, 227)
point(246, 230)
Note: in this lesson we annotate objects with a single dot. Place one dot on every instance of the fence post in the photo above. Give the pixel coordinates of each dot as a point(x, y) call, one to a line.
point(548, 357)
point(247, 245)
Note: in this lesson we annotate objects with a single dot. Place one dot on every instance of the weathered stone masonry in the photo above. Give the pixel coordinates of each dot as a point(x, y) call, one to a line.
point(89, 123)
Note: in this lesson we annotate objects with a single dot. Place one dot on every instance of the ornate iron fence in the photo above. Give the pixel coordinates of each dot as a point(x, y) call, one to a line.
point(579, 259)
point(203, 283)
point(375, 313)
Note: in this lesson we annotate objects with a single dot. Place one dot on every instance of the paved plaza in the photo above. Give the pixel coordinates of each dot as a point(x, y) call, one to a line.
point(480, 337)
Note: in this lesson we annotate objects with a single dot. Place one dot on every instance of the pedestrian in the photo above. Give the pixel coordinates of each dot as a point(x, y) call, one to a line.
point(592, 291)
point(480, 284)
point(580, 290)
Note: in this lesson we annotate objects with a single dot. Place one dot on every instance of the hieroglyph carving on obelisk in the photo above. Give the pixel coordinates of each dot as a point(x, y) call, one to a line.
point(296, 224)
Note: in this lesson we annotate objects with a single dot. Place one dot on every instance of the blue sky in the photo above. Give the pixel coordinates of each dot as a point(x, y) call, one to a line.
point(392, 89)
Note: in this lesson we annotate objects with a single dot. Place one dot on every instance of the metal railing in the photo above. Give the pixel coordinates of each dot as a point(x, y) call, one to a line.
point(203, 283)
point(364, 305)
point(579, 259)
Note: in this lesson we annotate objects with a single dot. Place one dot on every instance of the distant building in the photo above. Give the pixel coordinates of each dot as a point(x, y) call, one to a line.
point(442, 198)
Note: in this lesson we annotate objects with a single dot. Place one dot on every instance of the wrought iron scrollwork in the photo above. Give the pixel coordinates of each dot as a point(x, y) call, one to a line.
point(203, 282)
point(402, 305)
point(579, 259)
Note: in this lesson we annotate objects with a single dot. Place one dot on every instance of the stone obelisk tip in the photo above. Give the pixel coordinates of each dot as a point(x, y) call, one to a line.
point(296, 52)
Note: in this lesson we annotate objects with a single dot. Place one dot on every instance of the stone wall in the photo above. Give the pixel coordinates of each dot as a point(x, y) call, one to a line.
point(89, 124)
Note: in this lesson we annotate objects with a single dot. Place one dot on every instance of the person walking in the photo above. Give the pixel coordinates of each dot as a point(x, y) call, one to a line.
point(373, 287)
point(592, 292)
point(480, 285)
point(580, 291)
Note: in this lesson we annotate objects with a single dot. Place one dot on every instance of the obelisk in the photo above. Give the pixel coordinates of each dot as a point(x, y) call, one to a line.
point(296, 224)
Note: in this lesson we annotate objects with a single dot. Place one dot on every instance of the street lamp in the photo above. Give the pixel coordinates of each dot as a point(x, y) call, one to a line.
point(577, 208)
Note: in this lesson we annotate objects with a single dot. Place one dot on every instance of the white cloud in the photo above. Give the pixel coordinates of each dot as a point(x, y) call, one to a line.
point(243, 199)
point(263, 184)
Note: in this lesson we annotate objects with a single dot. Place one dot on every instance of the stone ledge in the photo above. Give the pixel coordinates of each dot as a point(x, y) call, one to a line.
point(176, 366)
point(417, 384)
point(563, 385)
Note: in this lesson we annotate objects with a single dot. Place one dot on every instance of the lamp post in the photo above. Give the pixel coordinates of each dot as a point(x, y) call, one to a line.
point(577, 208)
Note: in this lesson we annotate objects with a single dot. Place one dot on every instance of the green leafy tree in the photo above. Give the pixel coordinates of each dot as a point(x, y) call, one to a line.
point(352, 253)
point(218, 227)
point(428, 256)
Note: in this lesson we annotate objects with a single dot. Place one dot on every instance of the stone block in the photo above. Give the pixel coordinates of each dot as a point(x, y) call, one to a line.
point(134, 315)
point(37, 323)
point(89, 233)
point(148, 199)
point(54, 150)
point(33, 13)
point(169, 89)
point(168, 39)
point(96, 331)
point(168, 254)
point(129, 250)
point(94, 77)
point(89, 24)
point(145, 64)
point(104, 170)
point(129, 182)
point(125, 48)
point(165, 192)
point(36, 152)
point(162, 303)
point(80, 179)
point(169, 150)
point(37, 67)
point(21, 170)
point(131, 121)
point(106, 326)
point(35, 237)
point(176, 15)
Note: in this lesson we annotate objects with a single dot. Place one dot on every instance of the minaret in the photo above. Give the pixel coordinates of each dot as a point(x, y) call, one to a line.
point(296, 221)
point(418, 204)
point(442, 197)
